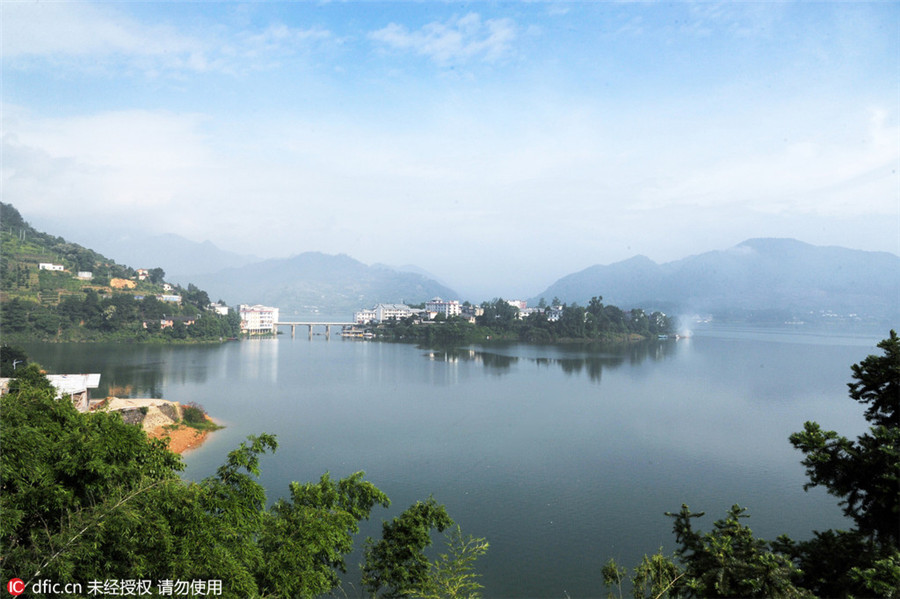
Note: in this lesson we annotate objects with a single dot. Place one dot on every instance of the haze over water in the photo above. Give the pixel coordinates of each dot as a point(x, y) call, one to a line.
point(561, 456)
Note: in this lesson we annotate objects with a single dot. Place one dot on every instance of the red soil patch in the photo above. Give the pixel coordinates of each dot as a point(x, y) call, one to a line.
point(181, 438)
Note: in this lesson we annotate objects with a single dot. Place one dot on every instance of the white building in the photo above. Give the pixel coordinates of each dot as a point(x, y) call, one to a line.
point(387, 311)
point(439, 306)
point(383, 312)
point(219, 309)
point(258, 319)
point(85, 275)
point(364, 316)
point(75, 387)
point(50, 266)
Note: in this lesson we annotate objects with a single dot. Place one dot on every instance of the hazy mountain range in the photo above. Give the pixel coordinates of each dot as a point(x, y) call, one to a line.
point(178, 256)
point(786, 277)
point(315, 285)
point(782, 275)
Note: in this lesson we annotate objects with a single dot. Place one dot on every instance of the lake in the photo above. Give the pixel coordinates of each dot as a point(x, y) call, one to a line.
point(562, 456)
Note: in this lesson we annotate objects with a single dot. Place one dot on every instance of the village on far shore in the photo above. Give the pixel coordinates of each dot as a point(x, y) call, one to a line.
point(263, 320)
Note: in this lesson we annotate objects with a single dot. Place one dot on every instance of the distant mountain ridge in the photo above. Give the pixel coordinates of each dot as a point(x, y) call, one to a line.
point(759, 274)
point(317, 286)
point(310, 285)
point(179, 257)
point(786, 276)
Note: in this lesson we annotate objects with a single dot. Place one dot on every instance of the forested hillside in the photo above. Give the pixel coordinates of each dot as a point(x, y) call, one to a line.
point(81, 295)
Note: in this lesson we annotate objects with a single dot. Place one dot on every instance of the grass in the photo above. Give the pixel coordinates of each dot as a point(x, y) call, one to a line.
point(194, 416)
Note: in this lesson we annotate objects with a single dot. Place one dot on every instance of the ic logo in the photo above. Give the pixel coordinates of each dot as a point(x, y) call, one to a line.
point(16, 586)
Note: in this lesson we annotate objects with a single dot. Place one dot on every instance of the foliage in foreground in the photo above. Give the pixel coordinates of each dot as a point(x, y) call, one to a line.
point(87, 497)
point(862, 562)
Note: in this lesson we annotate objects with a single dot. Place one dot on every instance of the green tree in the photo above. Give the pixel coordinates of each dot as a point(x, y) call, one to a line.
point(306, 538)
point(656, 577)
point(729, 561)
point(498, 313)
point(86, 496)
point(878, 384)
point(452, 575)
point(14, 315)
point(60, 471)
point(29, 376)
point(156, 275)
point(11, 358)
point(865, 475)
point(613, 576)
point(195, 296)
point(396, 564)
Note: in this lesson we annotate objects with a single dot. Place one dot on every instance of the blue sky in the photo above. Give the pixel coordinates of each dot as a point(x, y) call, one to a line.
point(499, 145)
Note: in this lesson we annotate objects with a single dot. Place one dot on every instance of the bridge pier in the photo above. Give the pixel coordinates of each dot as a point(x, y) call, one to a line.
point(295, 324)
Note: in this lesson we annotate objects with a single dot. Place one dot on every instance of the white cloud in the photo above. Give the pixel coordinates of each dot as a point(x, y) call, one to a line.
point(828, 172)
point(457, 40)
point(280, 39)
point(125, 166)
point(67, 28)
point(86, 37)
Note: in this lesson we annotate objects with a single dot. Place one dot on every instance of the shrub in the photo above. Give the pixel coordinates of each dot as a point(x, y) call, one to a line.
point(193, 413)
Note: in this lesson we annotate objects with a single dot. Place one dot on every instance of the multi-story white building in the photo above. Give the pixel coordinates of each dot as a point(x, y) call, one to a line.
point(258, 319)
point(383, 312)
point(365, 316)
point(439, 306)
point(387, 311)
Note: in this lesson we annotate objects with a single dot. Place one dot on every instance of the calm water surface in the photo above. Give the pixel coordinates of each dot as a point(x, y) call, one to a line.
point(561, 456)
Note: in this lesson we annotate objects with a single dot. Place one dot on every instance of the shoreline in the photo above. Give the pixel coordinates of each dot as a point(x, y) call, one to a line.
point(182, 437)
point(164, 419)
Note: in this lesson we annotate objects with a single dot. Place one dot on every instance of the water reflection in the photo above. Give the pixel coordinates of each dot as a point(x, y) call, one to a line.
point(496, 362)
point(259, 360)
point(590, 359)
point(129, 371)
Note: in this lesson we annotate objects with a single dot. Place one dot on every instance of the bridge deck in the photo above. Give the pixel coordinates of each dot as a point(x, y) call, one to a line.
point(314, 323)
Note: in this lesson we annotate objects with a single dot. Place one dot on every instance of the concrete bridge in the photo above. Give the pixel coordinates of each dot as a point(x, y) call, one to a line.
point(327, 326)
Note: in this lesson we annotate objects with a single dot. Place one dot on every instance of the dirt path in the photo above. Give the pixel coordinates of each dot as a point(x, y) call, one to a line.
point(181, 439)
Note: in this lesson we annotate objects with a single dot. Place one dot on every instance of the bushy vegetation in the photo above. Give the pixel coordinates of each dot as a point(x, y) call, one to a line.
point(861, 562)
point(558, 322)
point(194, 416)
point(86, 497)
point(116, 317)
